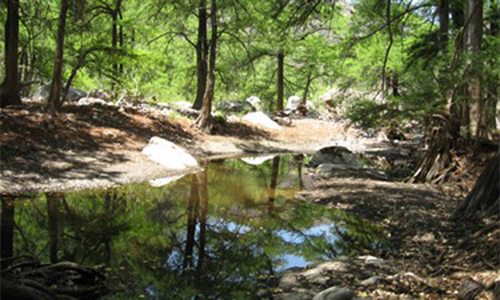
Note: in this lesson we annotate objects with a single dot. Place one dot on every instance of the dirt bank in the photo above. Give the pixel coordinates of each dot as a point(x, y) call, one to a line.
point(99, 146)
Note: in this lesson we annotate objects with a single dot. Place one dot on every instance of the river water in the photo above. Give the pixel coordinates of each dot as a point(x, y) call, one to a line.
point(222, 233)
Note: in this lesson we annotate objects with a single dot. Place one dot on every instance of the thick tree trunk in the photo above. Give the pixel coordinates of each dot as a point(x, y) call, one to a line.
point(54, 102)
point(493, 86)
point(204, 120)
point(458, 109)
point(474, 37)
point(9, 89)
point(436, 164)
point(484, 199)
point(201, 55)
point(280, 84)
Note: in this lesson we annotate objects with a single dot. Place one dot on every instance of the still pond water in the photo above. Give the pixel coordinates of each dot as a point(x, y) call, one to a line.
point(222, 233)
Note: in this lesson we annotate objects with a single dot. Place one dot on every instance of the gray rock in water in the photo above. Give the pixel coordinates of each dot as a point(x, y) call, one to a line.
point(335, 293)
point(335, 155)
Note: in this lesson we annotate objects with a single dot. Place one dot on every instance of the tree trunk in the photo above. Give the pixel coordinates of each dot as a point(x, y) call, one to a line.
point(395, 84)
point(458, 109)
point(444, 20)
point(121, 43)
point(492, 95)
point(114, 40)
point(53, 215)
point(437, 162)
point(474, 36)
point(9, 90)
point(7, 227)
point(306, 89)
point(204, 120)
point(280, 85)
point(54, 102)
point(201, 55)
point(485, 197)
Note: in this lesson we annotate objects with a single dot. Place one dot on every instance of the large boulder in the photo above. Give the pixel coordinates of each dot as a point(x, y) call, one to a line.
point(186, 109)
point(169, 154)
point(335, 157)
point(235, 107)
point(43, 92)
point(335, 293)
point(261, 119)
point(101, 94)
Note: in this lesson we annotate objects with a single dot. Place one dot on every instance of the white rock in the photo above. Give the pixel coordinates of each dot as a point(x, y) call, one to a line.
point(255, 102)
point(310, 106)
point(293, 103)
point(169, 154)
point(261, 119)
point(91, 101)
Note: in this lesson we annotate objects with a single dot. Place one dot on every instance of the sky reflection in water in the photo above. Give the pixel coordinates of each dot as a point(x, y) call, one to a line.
point(224, 231)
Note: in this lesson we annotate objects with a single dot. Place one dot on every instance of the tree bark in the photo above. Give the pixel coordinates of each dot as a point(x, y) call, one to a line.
point(201, 55)
point(492, 95)
point(54, 102)
point(474, 37)
point(444, 21)
point(204, 120)
point(306, 89)
point(485, 197)
point(9, 89)
point(280, 85)
point(458, 109)
point(114, 40)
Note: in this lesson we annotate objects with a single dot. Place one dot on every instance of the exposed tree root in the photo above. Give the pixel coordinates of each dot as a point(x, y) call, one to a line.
point(26, 278)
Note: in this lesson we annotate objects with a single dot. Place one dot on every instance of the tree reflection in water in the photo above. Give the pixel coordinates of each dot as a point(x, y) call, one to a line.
point(220, 233)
